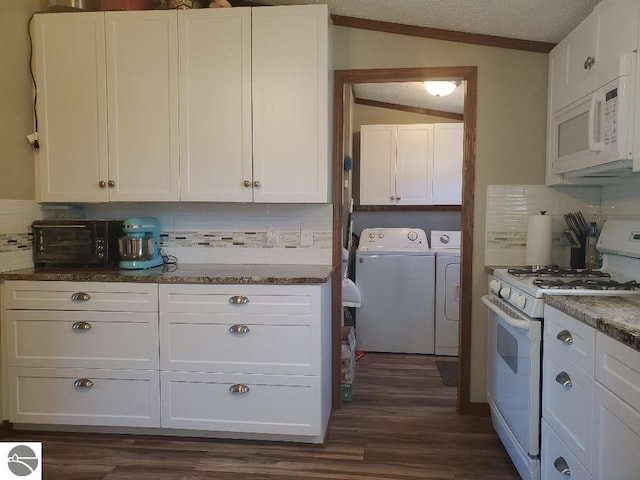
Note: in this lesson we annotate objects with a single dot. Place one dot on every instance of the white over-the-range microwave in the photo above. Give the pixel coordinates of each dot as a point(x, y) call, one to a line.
point(594, 136)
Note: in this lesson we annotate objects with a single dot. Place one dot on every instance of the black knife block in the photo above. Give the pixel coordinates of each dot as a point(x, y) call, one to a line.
point(577, 257)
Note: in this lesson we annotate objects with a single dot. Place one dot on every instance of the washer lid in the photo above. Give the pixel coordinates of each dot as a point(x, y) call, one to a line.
point(445, 239)
point(393, 240)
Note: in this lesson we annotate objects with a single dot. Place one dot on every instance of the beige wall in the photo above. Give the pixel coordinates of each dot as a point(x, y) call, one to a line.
point(368, 115)
point(16, 101)
point(511, 122)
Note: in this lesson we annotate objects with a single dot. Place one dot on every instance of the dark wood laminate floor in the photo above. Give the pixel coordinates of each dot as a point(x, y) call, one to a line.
point(401, 425)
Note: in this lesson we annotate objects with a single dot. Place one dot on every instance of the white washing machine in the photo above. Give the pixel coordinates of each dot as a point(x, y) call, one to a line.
point(395, 273)
point(446, 245)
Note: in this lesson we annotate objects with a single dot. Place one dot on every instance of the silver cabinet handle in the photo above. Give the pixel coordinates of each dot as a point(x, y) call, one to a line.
point(81, 327)
point(239, 388)
point(238, 329)
point(588, 63)
point(239, 300)
point(257, 183)
point(565, 336)
point(83, 383)
point(102, 184)
point(80, 297)
point(111, 183)
point(562, 466)
point(564, 379)
point(247, 183)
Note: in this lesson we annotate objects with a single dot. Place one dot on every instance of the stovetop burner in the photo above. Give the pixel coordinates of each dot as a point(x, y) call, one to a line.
point(585, 284)
point(556, 271)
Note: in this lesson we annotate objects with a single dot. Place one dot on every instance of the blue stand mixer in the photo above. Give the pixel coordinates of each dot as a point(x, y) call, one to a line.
point(140, 247)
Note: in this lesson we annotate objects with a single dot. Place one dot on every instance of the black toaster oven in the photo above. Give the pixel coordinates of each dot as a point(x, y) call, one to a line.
point(86, 242)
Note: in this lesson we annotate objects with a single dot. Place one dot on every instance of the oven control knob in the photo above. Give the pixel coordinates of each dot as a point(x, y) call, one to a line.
point(413, 236)
point(494, 286)
point(518, 300)
point(505, 292)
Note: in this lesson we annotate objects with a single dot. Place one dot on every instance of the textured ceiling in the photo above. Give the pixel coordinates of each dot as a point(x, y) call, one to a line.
point(539, 20)
point(412, 94)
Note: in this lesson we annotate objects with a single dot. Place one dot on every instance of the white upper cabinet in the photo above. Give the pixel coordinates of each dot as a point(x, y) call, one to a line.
point(412, 164)
point(203, 105)
point(447, 163)
point(215, 104)
point(142, 81)
point(290, 104)
point(70, 73)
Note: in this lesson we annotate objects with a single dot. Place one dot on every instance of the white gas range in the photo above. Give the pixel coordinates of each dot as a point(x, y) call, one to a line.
point(516, 314)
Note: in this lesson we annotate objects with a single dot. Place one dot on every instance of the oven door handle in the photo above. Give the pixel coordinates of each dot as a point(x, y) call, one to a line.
point(514, 322)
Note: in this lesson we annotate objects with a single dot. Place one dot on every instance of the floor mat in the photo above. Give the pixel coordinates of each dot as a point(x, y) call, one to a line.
point(448, 372)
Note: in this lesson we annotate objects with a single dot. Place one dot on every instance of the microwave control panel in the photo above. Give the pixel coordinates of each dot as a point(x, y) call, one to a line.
point(610, 117)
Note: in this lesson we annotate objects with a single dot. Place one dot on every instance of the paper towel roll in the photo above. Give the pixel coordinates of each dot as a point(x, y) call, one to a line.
point(538, 250)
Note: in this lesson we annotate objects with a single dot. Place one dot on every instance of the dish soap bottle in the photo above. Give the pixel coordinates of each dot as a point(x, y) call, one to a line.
point(591, 255)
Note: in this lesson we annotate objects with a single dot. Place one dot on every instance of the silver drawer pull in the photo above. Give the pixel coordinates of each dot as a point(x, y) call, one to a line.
point(83, 383)
point(562, 466)
point(80, 297)
point(81, 327)
point(238, 329)
point(565, 336)
point(239, 300)
point(239, 388)
point(564, 379)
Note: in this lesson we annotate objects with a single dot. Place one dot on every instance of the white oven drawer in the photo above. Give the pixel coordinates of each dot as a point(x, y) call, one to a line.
point(39, 338)
point(240, 299)
point(65, 396)
point(276, 404)
point(284, 344)
point(557, 458)
point(569, 338)
point(567, 404)
point(59, 295)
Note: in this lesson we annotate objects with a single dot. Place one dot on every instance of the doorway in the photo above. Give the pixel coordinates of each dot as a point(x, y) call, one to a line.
point(343, 79)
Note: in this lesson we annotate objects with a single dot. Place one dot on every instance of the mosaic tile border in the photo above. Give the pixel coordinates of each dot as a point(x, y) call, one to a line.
point(16, 242)
point(285, 239)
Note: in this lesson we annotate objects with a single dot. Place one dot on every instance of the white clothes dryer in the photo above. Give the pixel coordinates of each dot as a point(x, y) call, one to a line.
point(446, 245)
point(395, 273)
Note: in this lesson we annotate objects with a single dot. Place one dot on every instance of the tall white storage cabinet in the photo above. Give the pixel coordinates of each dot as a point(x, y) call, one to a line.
point(290, 104)
point(215, 104)
point(70, 73)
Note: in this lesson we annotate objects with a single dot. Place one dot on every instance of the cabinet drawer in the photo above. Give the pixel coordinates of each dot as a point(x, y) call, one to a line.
point(571, 339)
point(283, 344)
point(618, 369)
point(117, 397)
point(113, 297)
point(240, 299)
point(39, 338)
point(568, 408)
point(555, 456)
point(274, 404)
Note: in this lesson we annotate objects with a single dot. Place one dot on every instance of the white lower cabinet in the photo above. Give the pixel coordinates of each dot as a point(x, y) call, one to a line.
point(590, 403)
point(82, 353)
point(246, 358)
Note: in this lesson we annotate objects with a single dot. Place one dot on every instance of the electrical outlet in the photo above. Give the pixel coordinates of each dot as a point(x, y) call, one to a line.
point(273, 237)
point(306, 238)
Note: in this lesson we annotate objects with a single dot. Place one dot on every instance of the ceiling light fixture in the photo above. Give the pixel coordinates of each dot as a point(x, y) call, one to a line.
point(441, 88)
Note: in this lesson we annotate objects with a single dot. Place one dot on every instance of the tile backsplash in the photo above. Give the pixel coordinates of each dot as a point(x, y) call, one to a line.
point(508, 210)
point(16, 217)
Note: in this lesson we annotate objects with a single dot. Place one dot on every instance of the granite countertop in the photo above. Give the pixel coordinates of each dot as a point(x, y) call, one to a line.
point(184, 273)
point(617, 316)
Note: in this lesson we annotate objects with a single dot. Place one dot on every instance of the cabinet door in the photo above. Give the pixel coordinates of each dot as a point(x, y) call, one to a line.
point(447, 163)
point(580, 51)
point(378, 164)
point(414, 164)
point(290, 104)
point(69, 63)
point(142, 79)
point(557, 75)
point(616, 434)
point(215, 104)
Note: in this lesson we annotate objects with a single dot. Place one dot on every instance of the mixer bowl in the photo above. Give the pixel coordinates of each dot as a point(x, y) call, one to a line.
point(136, 248)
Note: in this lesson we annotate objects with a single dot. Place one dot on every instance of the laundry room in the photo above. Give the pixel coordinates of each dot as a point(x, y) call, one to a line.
point(402, 228)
